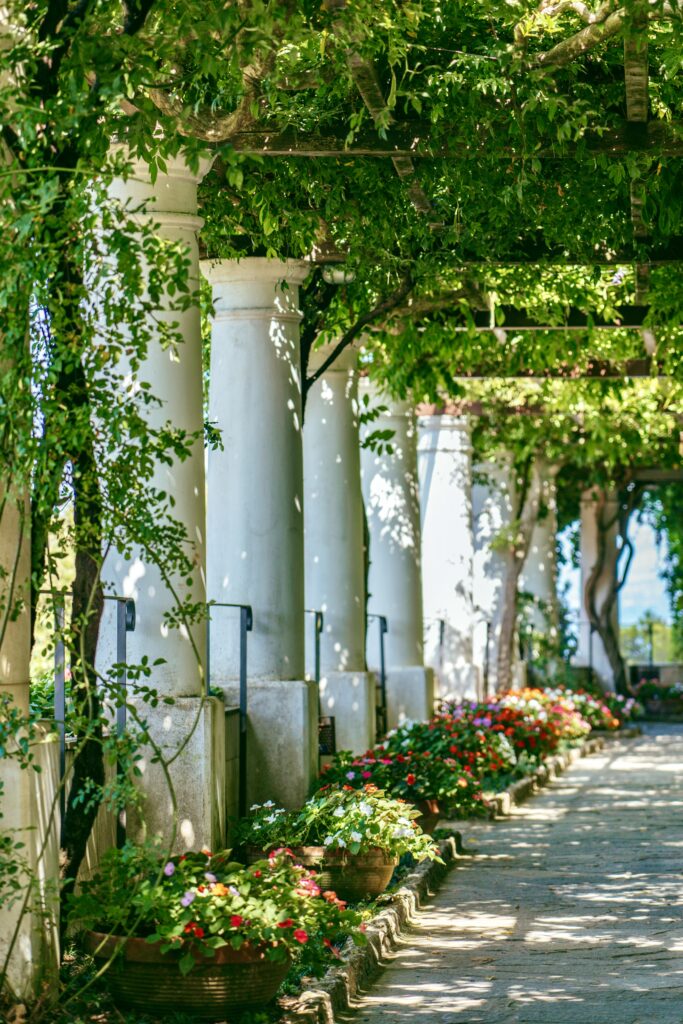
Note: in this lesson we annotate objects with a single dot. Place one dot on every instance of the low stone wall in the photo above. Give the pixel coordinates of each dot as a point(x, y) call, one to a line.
point(320, 1001)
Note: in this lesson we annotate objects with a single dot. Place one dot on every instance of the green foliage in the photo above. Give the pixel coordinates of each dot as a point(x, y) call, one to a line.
point(341, 819)
point(201, 902)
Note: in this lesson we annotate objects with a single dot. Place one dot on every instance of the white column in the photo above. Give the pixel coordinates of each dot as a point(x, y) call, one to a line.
point(392, 508)
point(255, 516)
point(590, 649)
point(175, 376)
point(445, 464)
point(334, 549)
point(29, 939)
point(539, 576)
point(492, 510)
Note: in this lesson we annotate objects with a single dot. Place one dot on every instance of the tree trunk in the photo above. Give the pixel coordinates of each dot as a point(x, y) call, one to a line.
point(527, 500)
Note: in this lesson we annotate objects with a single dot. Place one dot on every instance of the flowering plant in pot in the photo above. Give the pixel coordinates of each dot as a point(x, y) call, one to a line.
point(355, 836)
point(437, 786)
point(201, 933)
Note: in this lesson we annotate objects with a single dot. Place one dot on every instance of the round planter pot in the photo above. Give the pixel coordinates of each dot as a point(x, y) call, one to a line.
point(430, 815)
point(353, 876)
point(144, 978)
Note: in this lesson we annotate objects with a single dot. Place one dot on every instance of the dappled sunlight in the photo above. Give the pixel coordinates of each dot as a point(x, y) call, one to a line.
point(571, 912)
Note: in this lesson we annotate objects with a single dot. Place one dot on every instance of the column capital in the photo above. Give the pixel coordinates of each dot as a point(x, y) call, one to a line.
point(173, 192)
point(398, 407)
point(444, 434)
point(346, 362)
point(253, 286)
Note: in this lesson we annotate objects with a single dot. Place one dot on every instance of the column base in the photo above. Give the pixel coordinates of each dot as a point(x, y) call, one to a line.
point(27, 802)
point(351, 698)
point(282, 739)
point(410, 694)
point(197, 774)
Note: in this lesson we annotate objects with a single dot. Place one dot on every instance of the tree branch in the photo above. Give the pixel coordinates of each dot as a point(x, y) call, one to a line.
point(349, 336)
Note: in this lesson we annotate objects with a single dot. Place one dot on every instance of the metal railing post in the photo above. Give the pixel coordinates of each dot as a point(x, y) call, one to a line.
point(246, 626)
point(318, 623)
point(382, 709)
point(125, 623)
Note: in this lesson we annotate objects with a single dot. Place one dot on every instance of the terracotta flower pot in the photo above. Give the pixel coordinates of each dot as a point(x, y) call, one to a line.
point(353, 876)
point(144, 978)
point(430, 815)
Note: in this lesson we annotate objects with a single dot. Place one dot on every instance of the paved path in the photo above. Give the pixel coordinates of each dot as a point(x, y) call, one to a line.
point(571, 913)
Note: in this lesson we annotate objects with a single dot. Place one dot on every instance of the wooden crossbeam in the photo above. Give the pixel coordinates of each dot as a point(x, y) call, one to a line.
point(414, 140)
point(513, 319)
point(596, 369)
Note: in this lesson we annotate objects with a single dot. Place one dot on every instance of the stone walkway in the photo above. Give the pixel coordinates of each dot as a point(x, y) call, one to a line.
point(571, 912)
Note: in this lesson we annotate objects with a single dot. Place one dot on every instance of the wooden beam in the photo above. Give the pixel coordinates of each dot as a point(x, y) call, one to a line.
point(658, 476)
point(595, 369)
point(514, 319)
point(414, 140)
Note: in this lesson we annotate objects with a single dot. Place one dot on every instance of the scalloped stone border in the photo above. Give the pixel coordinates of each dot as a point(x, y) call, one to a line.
point(321, 999)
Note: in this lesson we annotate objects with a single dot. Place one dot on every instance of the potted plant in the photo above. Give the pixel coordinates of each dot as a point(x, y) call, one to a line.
point(436, 786)
point(353, 837)
point(201, 934)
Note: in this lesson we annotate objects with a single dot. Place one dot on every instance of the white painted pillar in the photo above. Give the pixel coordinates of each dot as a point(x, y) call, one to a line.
point(175, 376)
point(28, 941)
point(445, 464)
point(255, 516)
point(539, 576)
point(392, 508)
point(590, 649)
point(492, 509)
point(334, 549)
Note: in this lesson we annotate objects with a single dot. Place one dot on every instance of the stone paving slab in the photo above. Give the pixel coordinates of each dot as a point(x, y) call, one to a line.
point(571, 912)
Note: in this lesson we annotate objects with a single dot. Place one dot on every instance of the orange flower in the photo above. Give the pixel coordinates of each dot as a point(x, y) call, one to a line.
point(219, 889)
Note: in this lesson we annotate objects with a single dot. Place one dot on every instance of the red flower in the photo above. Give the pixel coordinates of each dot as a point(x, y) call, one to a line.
point(301, 936)
point(366, 775)
point(285, 924)
point(410, 779)
point(236, 921)
point(198, 932)
point(257, 874)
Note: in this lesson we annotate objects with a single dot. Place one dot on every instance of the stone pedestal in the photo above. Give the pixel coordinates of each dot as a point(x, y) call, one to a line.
point(255, 516)
point(334, 550)
point(175, 376)
point(445, 465)
point(591, 652)
point(391, 495)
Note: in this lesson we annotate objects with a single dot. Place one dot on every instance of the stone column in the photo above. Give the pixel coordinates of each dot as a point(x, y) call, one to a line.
point(175, 376)
point(334, 549)
point(29, 939)
point(445, 464)
point(492, 510)
point(539, 576)
point(392, 508)
point(591, 651)
point(256, 517)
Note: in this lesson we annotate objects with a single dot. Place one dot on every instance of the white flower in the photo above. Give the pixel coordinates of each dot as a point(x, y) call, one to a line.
point(328, 840)
point(340, 842)
point(271, 818)
point(365, 809)
point(338, 812)
point(402, 833)
point(269, 803)
point(356, 837)
point(255, 807)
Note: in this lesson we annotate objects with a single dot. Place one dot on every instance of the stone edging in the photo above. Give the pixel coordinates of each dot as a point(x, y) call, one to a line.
point(321, 999)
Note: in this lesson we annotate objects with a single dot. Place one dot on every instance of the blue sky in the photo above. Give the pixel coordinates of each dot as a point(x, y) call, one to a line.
point(643, 589)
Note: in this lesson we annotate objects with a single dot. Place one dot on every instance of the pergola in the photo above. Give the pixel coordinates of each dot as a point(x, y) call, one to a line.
point(336, 520)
